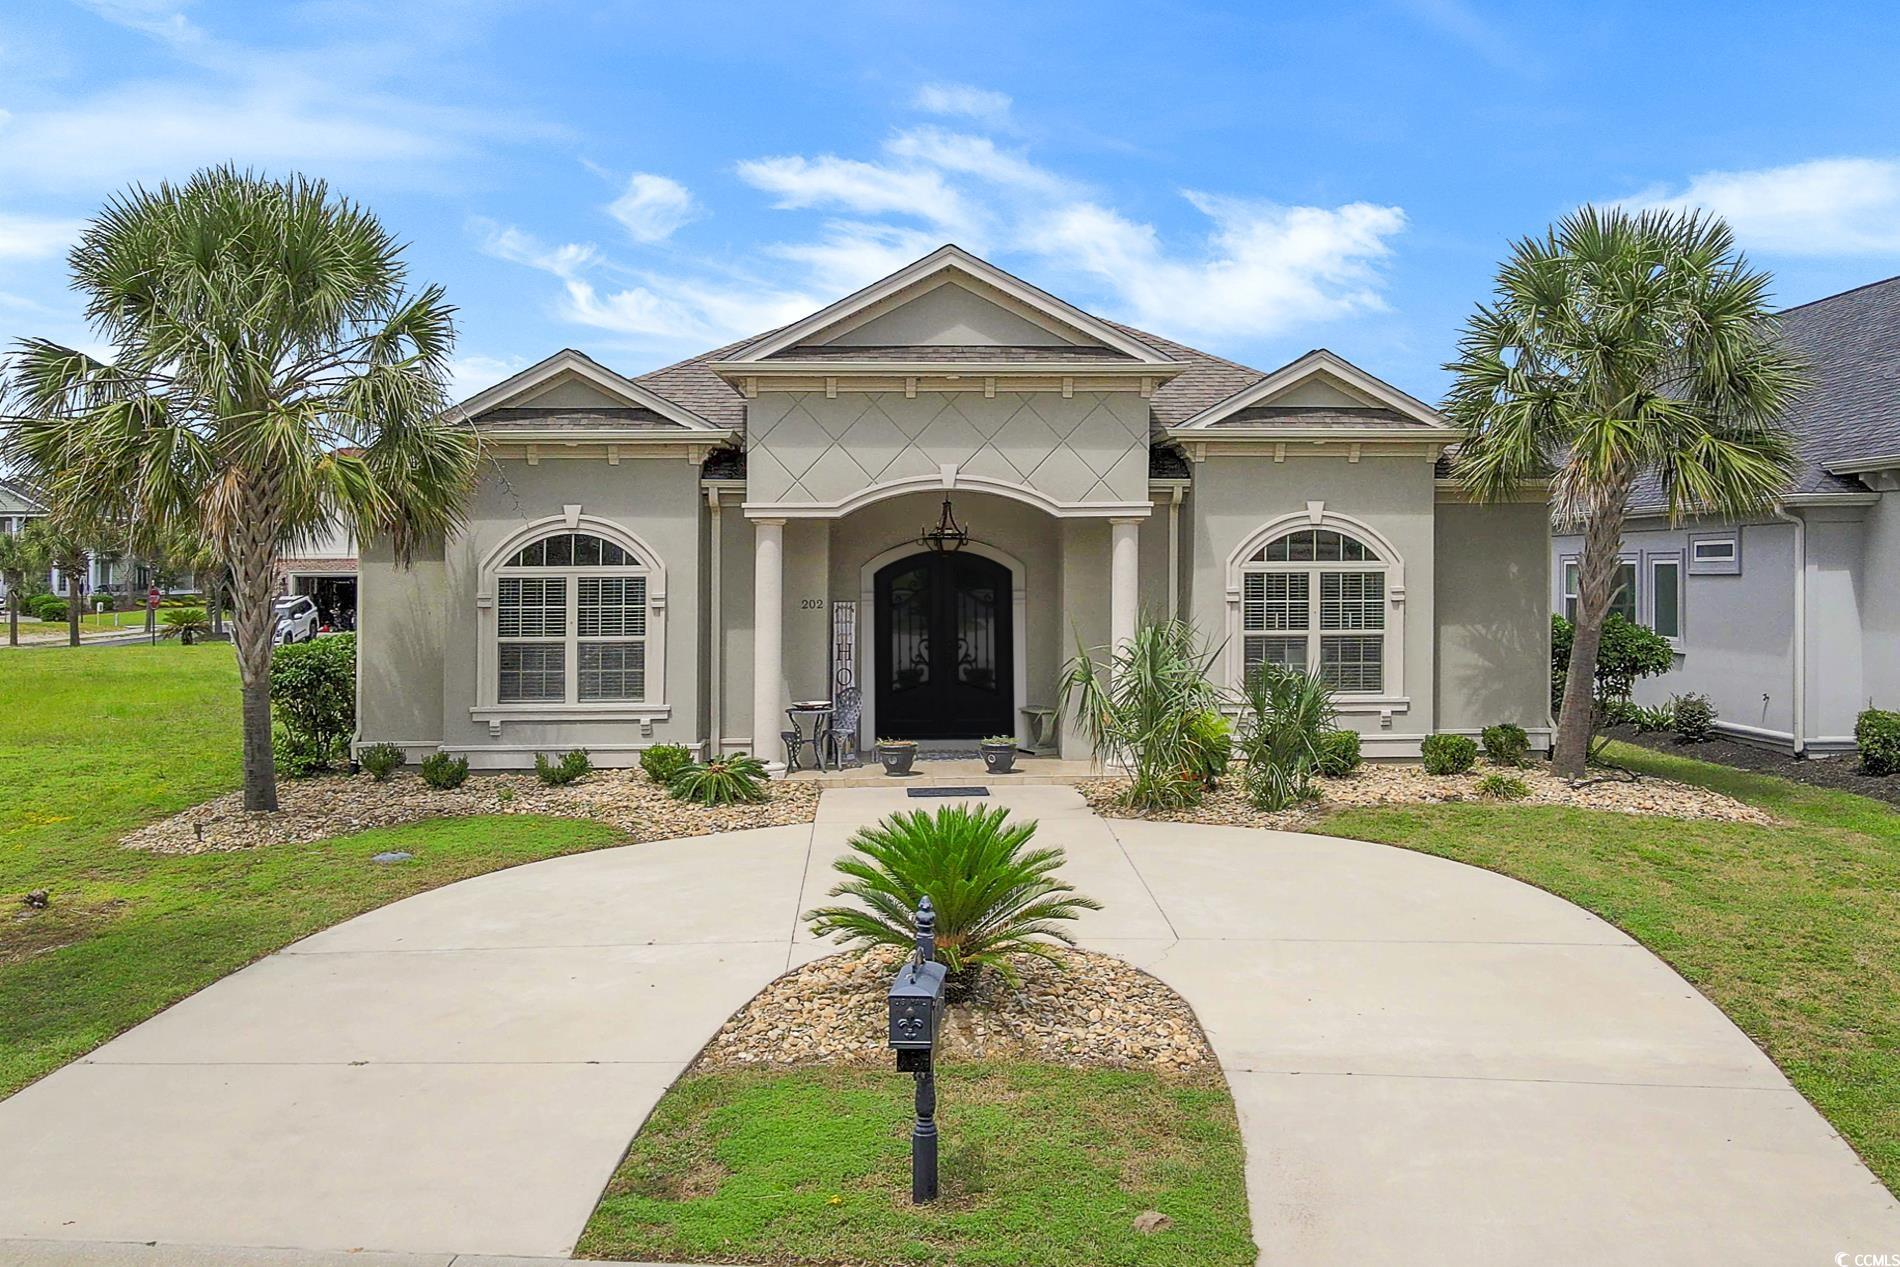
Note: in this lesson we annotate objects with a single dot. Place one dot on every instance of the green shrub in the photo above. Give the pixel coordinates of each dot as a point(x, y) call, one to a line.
point(664, 760)
point(1626, 653)
point(381, 760)
point(1506, 744)
point(1287, 713)
point(443, 772)
point(994, 897)
point(733, 780)
point(1877, 734)
point(1141, 709)
point(1503, 787)
point(51, 610)
point(187, 624)
point(1210, 744)
point(1448, 754)
point(313, 696)
point(1647, 721)
point(571, 766)
point(1693, 717)
point(1339, 753)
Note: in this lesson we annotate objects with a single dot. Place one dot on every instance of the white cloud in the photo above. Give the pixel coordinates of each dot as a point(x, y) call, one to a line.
point(962, 99)
point(653, 207)
point(1265, 268)
point(853, 254)
point(505, 241)
point(856, 186)
point(1827, 206)
point(976, 156)
point(471, 374)
point(30, 237)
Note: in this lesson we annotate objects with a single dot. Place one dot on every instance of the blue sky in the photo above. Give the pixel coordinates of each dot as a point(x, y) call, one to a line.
point(644, 181)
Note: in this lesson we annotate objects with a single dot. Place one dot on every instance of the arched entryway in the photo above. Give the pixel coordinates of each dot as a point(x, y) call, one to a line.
point(943, 647)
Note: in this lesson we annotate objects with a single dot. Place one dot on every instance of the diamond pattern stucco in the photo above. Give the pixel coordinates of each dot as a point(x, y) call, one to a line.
point(804, 447)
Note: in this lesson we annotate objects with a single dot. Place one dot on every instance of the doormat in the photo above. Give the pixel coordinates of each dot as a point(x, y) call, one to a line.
point(946, 791)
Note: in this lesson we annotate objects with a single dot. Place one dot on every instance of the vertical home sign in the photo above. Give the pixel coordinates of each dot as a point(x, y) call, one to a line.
point(844, 646)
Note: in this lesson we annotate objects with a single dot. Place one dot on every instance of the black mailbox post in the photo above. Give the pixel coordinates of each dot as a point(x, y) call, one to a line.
point(916, 1007)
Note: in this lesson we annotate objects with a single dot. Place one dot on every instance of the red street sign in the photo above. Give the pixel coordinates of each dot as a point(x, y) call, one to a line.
point(151, 597)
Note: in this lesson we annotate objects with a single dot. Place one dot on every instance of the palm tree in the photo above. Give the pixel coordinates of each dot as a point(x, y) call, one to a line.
point(272, 373)
point(20, 558)
point(1620, 348)
point(65, 545)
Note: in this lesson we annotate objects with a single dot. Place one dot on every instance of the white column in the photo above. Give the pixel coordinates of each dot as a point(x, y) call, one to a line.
point(1124, 554)
point(768, 637)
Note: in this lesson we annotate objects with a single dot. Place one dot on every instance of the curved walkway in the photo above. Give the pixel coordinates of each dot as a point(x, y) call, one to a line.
point(1432, 1063)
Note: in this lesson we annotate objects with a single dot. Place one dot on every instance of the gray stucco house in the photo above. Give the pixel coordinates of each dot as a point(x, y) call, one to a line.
point(677, 556)
point(1789, 623)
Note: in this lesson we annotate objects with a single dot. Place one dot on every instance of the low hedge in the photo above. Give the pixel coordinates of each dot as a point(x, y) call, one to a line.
point(1449, 754)
point(1877, 734)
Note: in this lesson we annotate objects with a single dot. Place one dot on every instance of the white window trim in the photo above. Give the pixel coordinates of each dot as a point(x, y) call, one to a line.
point(1392, 697)
point(1695, 565)
point(488, 706)
point(1646, 614)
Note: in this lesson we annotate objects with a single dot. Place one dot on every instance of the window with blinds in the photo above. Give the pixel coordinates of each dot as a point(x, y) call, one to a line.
point(1342, 635)
point(571, 623)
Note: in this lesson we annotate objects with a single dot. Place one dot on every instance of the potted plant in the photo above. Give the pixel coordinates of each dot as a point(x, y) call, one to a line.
point(897, 754)
point(999, 753)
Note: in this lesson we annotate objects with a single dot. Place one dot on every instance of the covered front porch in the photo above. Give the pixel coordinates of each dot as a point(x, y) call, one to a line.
point(942, 631)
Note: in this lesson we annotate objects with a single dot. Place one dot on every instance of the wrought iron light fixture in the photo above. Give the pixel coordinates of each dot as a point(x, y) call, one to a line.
point(948, 536)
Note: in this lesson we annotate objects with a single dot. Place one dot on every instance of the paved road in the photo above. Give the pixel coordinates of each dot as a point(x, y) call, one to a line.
point(1433, 1064)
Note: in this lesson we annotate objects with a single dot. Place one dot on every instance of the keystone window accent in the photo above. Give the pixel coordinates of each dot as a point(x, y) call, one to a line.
point(571, 623)
point(1315, 599)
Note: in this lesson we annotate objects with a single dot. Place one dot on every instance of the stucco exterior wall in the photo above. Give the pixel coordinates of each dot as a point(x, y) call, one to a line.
point(400, 639)
point(1235, 496)
point(658, 501)
point(1737, 630)
point(1493, 629)
point(802, 447)
point(1880, 603)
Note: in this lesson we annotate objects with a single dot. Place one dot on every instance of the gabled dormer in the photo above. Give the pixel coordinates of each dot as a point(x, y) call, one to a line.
point(572, 405)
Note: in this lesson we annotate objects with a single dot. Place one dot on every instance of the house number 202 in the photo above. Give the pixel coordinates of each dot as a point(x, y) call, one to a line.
point(811, 604)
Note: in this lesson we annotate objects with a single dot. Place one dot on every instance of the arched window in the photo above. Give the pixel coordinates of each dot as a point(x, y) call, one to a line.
point(571, 623)
point(1315, 599)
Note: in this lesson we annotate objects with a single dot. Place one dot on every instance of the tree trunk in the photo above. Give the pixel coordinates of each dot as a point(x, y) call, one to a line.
point(1596, 586)
point(214, 597)
point(72, 609)
point(13, 615)
point(254, 627)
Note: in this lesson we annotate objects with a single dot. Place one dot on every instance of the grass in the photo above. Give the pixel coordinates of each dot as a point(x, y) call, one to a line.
point(97, 740)
point(1791, 929)
point(1041, 1165)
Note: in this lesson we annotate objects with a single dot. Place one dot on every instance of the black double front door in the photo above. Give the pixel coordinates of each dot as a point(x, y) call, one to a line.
point(944, 649)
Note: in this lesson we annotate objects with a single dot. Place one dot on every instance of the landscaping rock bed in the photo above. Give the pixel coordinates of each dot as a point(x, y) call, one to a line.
point(1409, 785)
point(1082, 1009)
point(336, 805)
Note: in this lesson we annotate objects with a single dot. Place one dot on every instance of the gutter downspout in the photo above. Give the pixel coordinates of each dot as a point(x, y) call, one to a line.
point(1174, 553)
point(1800, 627)
point(715, 720)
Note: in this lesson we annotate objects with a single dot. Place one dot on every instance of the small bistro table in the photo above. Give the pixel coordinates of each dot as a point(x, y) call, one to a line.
point(797, 739)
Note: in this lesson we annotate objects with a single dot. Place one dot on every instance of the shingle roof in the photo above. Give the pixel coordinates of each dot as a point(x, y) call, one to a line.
point(1205, 380)
point(569, 418)
point(1342, 419)
point(1851, 342)
point(16, 500)
point(950, 353)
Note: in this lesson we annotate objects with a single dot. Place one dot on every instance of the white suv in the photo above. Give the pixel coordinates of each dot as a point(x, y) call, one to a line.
point(296, 618)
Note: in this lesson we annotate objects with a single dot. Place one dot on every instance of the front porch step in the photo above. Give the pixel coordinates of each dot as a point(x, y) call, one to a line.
point(1029, 772)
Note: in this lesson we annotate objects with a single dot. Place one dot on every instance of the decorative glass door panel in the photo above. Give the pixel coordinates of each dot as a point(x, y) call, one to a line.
point(943, 648)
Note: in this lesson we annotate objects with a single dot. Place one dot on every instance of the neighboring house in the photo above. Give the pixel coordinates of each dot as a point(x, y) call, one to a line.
point(680, 555)
point(325, 569)
point(18, 507)
point(1790, 622)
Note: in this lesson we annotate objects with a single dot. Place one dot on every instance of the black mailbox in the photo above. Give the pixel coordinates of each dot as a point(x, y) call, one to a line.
point(916, 998)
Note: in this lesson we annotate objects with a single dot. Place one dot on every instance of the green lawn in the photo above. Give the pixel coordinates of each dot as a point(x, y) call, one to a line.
point(94, 741)
point(1042, 1165)
point(1793, 930)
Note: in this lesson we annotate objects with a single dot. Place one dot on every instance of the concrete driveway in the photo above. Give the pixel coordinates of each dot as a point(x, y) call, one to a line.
point(1433, 1064)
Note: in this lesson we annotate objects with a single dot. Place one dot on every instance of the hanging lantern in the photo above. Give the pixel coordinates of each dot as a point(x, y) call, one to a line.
point(948, 536)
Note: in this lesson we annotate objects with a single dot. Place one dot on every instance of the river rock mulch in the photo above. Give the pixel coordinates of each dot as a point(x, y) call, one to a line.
point(336, 805)
point(1078, 1009)
point(1372, 785)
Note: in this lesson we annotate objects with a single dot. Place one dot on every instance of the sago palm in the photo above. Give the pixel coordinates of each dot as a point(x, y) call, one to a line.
point(994, 896)
point(271, 374)
point(1620, 348)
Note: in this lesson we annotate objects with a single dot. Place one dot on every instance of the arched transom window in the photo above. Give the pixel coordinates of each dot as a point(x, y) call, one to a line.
point(1312, 599)
point(571, 622)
